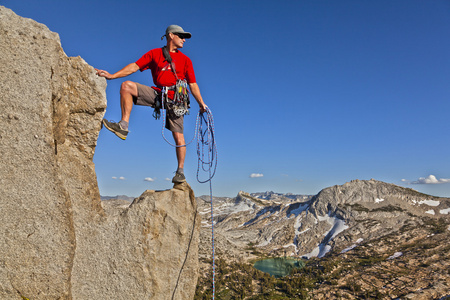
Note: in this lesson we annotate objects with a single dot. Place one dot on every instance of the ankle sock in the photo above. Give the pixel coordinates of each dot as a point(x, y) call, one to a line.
point(123, 124)
point(180, 171)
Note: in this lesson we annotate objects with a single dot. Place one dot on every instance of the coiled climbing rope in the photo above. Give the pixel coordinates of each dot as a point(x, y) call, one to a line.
point(207, 163)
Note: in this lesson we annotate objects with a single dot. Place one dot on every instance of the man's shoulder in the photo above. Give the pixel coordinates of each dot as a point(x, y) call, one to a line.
point(184, 56)
point(148, 57)
point(156, 50)
point(182, 53)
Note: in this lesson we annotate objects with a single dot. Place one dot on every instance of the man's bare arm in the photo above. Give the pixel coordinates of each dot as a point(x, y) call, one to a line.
point(195, 90)
point(127, 70)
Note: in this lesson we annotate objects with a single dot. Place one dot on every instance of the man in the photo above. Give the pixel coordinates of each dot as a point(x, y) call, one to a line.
point(163, 76)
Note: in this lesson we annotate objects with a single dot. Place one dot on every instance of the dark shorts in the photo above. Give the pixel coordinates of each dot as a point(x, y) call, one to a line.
point(147, 96)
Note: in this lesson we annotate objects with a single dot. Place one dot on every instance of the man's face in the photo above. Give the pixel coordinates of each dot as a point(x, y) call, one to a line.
point(178, 40)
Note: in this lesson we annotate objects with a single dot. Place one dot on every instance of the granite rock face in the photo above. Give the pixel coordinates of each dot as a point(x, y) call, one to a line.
point(57, 239)
point(151, 246)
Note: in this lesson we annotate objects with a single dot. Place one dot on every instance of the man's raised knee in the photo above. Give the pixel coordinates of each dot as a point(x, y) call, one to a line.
point(128, 87)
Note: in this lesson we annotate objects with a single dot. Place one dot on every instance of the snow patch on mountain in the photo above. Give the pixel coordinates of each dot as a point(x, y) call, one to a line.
point(301, 208)
point(427, 202)
point(444, 211)
point(320, 251)
point(337, 224)
point(396, 254)
point(271, 210)
point(358, 241)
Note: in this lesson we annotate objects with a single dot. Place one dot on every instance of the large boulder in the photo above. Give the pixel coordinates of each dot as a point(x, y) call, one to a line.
point(57, 239)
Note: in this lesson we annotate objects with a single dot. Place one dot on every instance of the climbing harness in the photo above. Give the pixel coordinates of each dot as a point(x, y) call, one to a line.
point(180, 103)
point(207, 163)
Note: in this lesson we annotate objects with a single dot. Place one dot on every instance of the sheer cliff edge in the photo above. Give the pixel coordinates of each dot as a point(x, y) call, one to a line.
point(57, 239)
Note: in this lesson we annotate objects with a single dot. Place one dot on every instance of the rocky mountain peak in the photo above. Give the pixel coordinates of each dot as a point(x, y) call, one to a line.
point(359, 209)
point(367, 195)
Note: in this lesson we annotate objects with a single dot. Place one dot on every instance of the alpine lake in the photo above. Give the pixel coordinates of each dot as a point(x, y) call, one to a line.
point(278, 266)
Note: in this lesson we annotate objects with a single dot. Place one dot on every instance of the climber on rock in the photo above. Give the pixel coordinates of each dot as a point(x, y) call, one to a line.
point(172, 73)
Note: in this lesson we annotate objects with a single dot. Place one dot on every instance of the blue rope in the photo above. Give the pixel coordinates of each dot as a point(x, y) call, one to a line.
point(206, 146)
point(213, 251)
point(207, 159)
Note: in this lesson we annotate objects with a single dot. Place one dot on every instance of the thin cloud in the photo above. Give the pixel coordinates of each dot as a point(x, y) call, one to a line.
point(431, 179)
point(168, 179)
point(149, 179)
point(256, 175)
point(120, 178)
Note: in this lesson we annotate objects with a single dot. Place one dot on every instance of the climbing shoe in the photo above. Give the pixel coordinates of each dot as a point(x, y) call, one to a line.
point(178, 178)
point(116, 128)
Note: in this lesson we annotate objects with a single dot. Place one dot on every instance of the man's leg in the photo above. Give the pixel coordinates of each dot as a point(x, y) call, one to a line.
point(128, 90)
point(181, 155)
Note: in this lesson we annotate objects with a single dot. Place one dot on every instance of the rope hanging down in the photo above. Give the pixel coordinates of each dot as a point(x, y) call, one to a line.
point(207, 163)
point(207, 159)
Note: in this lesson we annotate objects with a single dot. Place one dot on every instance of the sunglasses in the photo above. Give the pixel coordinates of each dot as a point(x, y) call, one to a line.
point(180, 35)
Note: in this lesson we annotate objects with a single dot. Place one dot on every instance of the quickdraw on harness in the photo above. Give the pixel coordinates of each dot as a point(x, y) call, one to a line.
point(180, 103)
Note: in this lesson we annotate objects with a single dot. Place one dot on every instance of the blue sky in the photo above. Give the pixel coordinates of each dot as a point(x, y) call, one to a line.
point(305, 94)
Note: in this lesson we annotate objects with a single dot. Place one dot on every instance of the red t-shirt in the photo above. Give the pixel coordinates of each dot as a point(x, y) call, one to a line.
point(162, 72)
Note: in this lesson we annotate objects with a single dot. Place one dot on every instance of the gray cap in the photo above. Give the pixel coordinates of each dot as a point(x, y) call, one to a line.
point(178, 29)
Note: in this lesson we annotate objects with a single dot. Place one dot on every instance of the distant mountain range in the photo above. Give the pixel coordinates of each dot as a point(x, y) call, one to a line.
point(118, 197)
point(269, 195)
point(337, 222)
